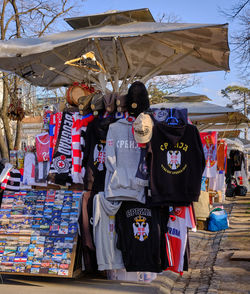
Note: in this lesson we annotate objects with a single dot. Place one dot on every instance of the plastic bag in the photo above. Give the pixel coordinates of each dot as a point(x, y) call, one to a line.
point(218, 220)
point(240, 191)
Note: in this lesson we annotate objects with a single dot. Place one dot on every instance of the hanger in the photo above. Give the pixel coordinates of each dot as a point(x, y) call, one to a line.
point(88, 61)
point(172, 120)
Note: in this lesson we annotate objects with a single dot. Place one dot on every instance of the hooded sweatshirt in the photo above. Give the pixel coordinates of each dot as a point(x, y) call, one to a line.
point(176, 164)
point(122, 159)
point(105, 238)
point(95, 153)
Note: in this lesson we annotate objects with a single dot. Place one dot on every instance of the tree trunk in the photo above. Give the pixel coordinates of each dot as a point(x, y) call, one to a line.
point(6, 121)
point(245, 113)
point(18, 135)
point(3, 147)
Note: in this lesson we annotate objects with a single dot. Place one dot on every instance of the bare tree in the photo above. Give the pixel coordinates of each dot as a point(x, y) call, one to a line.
point(239, 98)
point(240, 40)
point(159, 87)
point(22, 18)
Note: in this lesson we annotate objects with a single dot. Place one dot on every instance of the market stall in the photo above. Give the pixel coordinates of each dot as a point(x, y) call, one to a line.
point(93, 146)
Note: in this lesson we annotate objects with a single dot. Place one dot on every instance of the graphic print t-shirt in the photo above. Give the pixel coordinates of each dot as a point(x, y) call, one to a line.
point(209, 142)
point(138, 230)
point(182, 218)
point(42, 147)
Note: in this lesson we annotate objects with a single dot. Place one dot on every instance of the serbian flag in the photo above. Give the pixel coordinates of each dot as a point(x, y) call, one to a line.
point(209, 143)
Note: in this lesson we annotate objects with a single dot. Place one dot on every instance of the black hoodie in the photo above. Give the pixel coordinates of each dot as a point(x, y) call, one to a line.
point(176, 161)
point(94, 154)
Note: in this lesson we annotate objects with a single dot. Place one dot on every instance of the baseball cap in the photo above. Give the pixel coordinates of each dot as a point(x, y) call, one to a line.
point(143, 128)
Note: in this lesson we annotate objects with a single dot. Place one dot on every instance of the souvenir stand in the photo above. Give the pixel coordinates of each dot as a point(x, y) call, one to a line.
point(97, 61)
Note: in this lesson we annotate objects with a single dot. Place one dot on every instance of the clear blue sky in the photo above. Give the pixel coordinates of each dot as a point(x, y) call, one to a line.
point(189, 11)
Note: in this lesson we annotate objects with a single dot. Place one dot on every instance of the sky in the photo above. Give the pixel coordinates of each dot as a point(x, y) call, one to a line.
point(189, 11)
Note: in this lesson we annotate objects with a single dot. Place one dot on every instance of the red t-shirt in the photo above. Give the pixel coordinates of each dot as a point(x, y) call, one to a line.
point(42, 147)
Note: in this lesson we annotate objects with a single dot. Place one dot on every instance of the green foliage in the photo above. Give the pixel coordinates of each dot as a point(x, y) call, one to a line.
point(238, 95)
point(155, 94)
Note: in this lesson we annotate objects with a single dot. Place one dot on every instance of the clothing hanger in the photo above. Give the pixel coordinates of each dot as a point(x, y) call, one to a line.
point(172, 120)
point(88, 61)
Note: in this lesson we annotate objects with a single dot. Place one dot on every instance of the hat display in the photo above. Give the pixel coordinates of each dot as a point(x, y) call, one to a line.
point(110, 102)
point(143, 128)
point(121, 103)
point(84, 104)
point(97, 103)
point(137, 99)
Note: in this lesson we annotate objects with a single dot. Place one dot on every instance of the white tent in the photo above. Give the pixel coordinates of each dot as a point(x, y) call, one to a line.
point(129, 45)
point(209, 116)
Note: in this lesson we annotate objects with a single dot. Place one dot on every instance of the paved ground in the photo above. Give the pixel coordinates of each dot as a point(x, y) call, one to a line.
point(219, 264)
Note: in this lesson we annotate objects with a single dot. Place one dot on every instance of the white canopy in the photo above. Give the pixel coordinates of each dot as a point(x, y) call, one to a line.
point(209, 116)
point(127, 51)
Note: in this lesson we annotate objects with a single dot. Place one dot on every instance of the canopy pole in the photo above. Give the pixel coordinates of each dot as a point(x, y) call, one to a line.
point(169, 60)
point(116, 72)
point(103, 61)
point(128, 69)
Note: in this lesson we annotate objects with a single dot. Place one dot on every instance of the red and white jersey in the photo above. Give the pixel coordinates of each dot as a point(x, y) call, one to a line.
point(42, 147)
point(180, 219)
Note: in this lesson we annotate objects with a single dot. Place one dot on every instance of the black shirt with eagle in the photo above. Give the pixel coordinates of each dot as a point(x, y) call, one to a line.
point(176, 162)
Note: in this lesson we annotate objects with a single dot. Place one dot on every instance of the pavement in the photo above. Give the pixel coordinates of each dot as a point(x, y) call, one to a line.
point(220, 263)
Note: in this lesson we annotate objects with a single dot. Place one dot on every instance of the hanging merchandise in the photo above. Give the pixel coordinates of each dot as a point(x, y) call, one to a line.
point(237, 158)
point(47, 112)
point(181, 218)
point(110, 102)
point(80, 124)
point(5, 168)
point(171, 114)
point(122, 160)
point(121, 103)
point(137, 99)
point(95, 153)
point(105, 237)
point(221, 154)
point(54, 127)
point(176, 162)
point(15, 110)
point(139, 229)
point(97, 104)
point(86, 232)
point(42, 147)
point(209, 143)
point(41, 171)
point(76, 91)
point(29, 169)
point(60, 169)
point(12, 181)
point(84, 103)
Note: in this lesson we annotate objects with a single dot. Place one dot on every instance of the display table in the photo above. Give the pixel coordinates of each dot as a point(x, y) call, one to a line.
point(39, 232)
